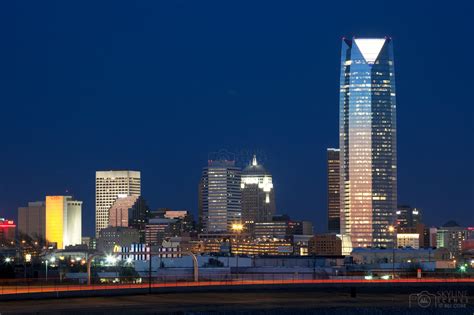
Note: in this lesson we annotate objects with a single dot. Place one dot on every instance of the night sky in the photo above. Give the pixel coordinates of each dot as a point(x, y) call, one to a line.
point(156, 86)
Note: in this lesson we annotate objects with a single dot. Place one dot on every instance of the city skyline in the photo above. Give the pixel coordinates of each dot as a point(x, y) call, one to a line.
point(294, 89)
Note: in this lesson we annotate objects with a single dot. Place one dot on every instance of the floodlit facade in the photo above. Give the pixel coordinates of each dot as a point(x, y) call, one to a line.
point(258, 197)
point(109, 185)
point(333, 194)
point(63, 221)
point(220, 196)
point(367, 142)
point(408, 240)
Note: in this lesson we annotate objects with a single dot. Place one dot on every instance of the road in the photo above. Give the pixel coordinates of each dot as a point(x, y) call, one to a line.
point(22, 289)
point(337, 301)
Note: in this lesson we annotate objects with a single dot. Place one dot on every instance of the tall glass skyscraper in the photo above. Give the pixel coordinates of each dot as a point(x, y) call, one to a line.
point(220, 195)
point(367, 139)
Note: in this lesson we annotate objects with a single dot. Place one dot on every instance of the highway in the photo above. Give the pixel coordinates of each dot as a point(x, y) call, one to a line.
point(317, 297)
point(19, 289)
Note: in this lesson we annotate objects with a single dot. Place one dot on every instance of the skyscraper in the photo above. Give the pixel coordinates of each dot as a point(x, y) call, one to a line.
point(109, 185)
point(408, 217)
point(334, 208)
point(367, 140)
point(63, 221)
point(258, 197)
point(220, 195)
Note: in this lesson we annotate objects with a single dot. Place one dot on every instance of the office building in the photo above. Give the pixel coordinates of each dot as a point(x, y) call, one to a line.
point(156, 230)
point(109, 185)
point(407, 217)
point(367, 134)
point(451, 236)
point(411, 240)
point(261, 247)
point(325, 245)
point(7, 231)
point(258, 197)
point(63, 221)
point(32, 220)
point(333, 186)
point(112, 239)
point(271, 230)
point(129, 211)
point(220, 195)
point(429, 237)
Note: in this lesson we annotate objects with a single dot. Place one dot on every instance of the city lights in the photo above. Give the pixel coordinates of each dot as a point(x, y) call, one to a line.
point(111, 260)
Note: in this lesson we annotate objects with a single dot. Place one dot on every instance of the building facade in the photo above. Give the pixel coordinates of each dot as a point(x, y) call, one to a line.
point(220, 196)
point(109, 185)
point(367, 141)
point(408, 217)
point(112, 239)
point(32, 220)
point(130, 211)
point(7, 231)
point(411, 240)
point(451, 236)
point(63, 221)
point(258, 197)
point(333, 193)
point(325, 245)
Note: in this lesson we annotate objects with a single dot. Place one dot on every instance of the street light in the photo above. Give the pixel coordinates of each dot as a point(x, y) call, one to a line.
point(391, 230)
point(52, 260)
point(111, 260)
point(237, 228)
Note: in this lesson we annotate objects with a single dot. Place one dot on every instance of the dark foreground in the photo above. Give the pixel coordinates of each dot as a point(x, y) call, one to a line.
point(282, 301)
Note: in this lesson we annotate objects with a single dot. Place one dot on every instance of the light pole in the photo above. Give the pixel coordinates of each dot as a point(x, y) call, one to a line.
point(391, 229)
point(237, 228)
point(46, 263)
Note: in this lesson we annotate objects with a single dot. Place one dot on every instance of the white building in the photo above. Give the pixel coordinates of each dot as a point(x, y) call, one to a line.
point(109, 185)
point(408, 240)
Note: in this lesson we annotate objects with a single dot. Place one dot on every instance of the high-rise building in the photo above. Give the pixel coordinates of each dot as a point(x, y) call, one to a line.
point(333, 182)
point(32, 220)
point(220, 195)
point(452, 236)
point(407, 217)
point(258, 197)
point(63, 221)
point(367, 142)
point(130, 211)
point(109, 185)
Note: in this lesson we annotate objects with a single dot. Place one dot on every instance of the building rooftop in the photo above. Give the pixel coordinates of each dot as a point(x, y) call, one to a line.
point(254, 168)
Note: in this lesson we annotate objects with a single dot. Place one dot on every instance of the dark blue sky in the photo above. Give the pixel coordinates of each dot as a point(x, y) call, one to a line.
point(157, 85)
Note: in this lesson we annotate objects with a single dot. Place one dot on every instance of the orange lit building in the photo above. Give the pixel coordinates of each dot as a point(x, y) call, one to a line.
point(63, 221)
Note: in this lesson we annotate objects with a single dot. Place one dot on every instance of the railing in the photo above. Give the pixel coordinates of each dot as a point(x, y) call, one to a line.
point(54, 285)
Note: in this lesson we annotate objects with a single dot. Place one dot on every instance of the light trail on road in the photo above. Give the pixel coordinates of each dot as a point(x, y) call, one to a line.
point(25, 289)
